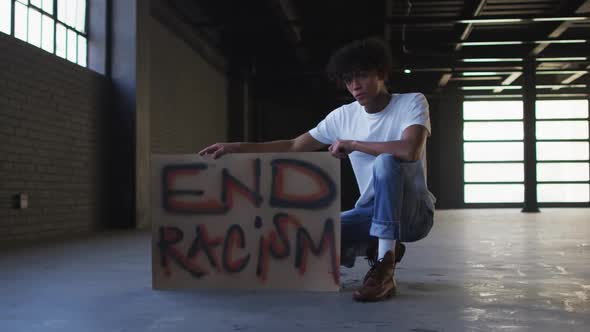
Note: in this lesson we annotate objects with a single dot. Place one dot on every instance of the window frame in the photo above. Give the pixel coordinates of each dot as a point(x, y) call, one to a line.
point(519, 205)
point(54, 16)
point(464, 162)
point(578, 161)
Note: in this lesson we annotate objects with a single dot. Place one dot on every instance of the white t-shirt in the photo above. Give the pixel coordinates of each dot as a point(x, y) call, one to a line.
point(352, 122)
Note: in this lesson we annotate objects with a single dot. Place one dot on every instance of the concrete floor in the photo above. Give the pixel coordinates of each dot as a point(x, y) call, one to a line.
point(479, 270)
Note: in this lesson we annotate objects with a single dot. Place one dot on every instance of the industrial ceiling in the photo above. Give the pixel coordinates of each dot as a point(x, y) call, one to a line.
point(476, 47)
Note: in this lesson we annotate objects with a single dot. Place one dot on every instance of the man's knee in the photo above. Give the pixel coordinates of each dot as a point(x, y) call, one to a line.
point(386, 165)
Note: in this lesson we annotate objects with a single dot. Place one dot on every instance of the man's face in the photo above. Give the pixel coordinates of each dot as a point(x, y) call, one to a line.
point(364, 86)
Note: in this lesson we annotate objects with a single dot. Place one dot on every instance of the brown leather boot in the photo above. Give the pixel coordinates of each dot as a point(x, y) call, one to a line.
point(372, 252)
point(379, 283)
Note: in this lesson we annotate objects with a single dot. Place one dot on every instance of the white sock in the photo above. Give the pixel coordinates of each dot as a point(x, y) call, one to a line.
point(384, 246)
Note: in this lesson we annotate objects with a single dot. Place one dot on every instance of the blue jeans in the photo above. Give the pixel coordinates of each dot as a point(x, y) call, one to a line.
point(400, 209)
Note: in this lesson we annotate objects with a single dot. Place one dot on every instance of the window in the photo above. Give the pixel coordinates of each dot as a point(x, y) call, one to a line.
point(563, 151)
point(5, 16)
point(493, 152)
point(61, 30)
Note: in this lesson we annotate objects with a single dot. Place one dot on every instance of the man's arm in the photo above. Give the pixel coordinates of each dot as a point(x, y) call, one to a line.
point(409, 148)
point(302, 143)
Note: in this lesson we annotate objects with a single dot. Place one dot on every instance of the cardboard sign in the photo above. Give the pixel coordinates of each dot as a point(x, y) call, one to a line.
point(246, 221)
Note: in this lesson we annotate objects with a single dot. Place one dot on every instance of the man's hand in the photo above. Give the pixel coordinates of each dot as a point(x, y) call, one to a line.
point(219, 149)
point(341, 149)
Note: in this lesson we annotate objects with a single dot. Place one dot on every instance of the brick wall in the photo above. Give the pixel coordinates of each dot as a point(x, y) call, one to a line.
point(51, 113)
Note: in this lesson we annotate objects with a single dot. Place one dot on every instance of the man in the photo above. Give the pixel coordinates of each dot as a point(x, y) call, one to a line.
point(384, 136)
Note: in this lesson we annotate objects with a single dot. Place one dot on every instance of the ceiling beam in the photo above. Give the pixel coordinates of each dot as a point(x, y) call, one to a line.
point(481, 72)
point(480, 96)
point(474, 10)
point(573, 77)
point(554, 34)
point(501, 20)
point(515, 53)
point(519, 87)
point(511, 78)
point(481, 42)
point(521, 42)
point(444, 80)
point(480, 4)
point(446, 60)
point(560, 29)
point(429, 20)
point(476, 78)
point(285, 11)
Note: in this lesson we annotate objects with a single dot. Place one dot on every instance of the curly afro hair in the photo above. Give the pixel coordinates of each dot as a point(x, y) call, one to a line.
point(361, 55)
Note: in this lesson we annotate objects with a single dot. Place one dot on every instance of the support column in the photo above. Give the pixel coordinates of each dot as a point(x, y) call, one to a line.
point(143, 116)
point(122, 118)
point(530, 147)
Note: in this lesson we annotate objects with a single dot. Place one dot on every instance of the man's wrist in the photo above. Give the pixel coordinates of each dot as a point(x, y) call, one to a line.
point(353, 145)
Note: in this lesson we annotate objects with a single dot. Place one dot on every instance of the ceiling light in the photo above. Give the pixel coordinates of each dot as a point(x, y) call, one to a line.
point(561, 41)
point(491, 96)
point(551, 19)
point(573, 58)
point(518, 87)
point(490, 43)
point(561, 86)
point(482, 73)
point(561, 72)
point(491, 59)
point(492, 87)
point(407, 71)
point(492, 20)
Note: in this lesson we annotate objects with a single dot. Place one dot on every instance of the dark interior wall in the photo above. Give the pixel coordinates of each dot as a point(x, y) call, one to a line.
point(51, 116)
point(181, 93)
point(188, 97)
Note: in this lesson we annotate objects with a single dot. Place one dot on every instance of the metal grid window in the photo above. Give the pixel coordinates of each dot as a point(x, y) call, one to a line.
point(493, 151)
point(563, 167)
point(57, 26)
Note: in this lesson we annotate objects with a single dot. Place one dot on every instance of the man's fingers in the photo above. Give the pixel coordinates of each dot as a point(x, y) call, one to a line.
point(338, 155)
point(218, 153)
point(334, 148)
point(207, 150)
point(212, 149)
